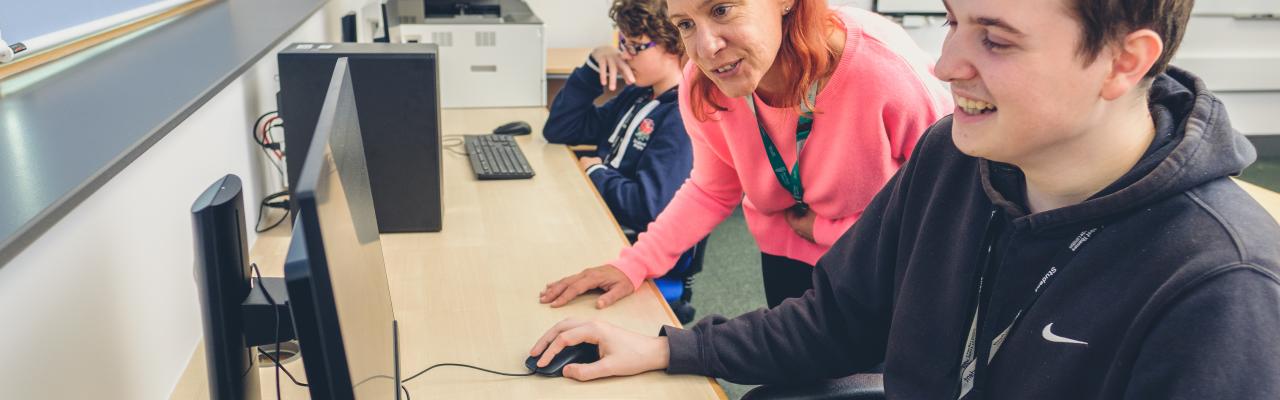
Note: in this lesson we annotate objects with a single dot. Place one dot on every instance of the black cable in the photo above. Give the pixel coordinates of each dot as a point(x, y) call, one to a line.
point(275, 144)
point(254, 131)
point(464, 366)
point(274, 163)
point(266, 151)
point(282, 367)
point(266, 202)
point(266, 148)
point(272, 301)
point(279, 367)
point(257, 226)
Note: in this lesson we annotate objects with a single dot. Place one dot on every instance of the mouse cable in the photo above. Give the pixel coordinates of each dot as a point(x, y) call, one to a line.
point(451, 143)
point(277, 362)
point(282, 367)
point(304, 384)
point(464, 366)
point(277, 313)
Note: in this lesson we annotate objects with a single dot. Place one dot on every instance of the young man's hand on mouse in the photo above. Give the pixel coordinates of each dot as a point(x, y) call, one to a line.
point(615, 284)
point(622, 352)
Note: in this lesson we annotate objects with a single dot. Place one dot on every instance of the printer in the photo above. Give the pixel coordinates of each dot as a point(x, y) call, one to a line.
point(492, 52)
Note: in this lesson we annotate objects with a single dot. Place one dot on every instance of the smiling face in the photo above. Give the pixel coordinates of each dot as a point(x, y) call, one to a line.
point(733, 42)
point(1020, 84)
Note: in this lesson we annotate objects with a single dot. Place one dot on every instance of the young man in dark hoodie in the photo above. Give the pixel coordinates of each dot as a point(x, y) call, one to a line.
point(1072, 232)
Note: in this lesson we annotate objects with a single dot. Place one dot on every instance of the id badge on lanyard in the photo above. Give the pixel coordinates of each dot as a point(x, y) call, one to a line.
point(619, 131)
point(975, 359)
point(789, 178)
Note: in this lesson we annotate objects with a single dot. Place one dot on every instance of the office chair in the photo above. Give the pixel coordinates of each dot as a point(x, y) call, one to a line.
point(677, 285)
point(852, 387)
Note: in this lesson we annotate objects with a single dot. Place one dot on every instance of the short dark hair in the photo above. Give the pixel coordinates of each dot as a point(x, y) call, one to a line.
point(647, 18)
point(1105, 21)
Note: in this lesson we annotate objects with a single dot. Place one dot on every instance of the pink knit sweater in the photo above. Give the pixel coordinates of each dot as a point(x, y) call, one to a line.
point(869, 116)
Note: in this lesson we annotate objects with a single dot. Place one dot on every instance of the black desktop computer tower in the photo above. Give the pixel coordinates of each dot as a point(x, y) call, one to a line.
point(397, 95)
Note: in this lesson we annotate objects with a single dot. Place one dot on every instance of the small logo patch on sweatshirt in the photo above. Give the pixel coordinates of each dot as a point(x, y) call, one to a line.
point(641, 139)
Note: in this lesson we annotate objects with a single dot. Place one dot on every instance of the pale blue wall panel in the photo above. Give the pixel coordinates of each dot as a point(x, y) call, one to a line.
point(25, 19)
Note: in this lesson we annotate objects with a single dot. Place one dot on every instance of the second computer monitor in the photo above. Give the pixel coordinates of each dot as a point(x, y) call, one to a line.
point(337, 283)
point(399, 104)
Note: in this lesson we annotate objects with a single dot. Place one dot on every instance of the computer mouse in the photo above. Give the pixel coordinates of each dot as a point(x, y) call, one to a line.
point(513, 128)
point(584, 353)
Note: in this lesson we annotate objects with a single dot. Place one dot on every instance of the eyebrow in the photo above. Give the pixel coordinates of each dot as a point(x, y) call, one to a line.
point(700, 6)
point(997, 23)
point(988, 21)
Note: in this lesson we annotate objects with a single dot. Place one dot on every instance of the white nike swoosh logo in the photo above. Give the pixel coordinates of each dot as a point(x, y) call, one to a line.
point(1048, 335)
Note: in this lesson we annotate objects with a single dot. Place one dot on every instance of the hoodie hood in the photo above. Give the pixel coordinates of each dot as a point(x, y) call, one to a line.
point(1195, 144)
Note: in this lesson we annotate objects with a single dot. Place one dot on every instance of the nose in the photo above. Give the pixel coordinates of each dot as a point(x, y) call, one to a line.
point(954, 65)
point(705, 43)
point(627, 56)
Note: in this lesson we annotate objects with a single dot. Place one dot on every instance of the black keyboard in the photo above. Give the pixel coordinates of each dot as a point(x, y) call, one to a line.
point(496, 157)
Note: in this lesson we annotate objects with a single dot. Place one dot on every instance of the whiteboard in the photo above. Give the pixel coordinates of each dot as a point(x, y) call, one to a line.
point(1203, 7)
point(910, 7)
point(23, 20)
point(1238, 7)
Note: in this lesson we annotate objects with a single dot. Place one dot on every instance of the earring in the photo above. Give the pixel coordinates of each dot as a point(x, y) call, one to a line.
point(786, 11)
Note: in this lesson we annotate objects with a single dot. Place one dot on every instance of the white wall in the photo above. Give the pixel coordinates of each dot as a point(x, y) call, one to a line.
point(586, 23)
point(1236, 57)
point(574, 23)
point(104, 305)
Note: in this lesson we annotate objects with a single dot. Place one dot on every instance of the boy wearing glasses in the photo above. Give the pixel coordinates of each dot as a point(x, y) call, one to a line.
point(643, 153)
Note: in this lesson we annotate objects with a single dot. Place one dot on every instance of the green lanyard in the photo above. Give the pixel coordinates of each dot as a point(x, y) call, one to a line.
point(789, 180)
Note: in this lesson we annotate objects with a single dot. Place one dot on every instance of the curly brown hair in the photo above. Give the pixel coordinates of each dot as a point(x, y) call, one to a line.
point(647, 18)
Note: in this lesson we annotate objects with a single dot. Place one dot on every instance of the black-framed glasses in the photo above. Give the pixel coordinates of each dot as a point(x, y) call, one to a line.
point(633, 49)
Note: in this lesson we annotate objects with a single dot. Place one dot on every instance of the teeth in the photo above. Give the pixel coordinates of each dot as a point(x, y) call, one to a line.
point(726, 68)
point(971, 106)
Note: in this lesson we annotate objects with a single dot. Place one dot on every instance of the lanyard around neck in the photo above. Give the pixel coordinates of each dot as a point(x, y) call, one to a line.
point(789, 178)
point(976, 358)
point(625, 124)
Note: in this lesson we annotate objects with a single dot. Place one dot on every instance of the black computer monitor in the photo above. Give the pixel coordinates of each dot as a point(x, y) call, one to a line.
point(222, 278)
point(334, 271)
point(398, 98)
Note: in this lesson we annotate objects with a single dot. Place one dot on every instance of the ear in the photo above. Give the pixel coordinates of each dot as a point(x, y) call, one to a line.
point(786, 5)
point(1131, 59)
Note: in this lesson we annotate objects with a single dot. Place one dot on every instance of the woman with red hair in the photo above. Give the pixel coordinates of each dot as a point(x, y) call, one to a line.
point(770, 82)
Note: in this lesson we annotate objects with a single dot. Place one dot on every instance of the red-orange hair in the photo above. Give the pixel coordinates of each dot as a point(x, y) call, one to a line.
point(804, 57)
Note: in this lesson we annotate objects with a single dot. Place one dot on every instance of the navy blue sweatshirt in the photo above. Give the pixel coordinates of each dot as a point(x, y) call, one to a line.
point(646, 151)
point(1176, 296)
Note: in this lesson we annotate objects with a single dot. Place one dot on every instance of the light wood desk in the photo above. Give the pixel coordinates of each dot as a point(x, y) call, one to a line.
point(1268, 199)
point(562, 61)
point(469, 294)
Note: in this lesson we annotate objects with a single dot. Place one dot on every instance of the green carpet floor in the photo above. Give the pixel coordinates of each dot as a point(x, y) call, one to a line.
point(1265, 172)
point(730, 282)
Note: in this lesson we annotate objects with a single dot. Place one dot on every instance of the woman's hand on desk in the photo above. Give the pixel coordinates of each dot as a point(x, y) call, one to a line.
point(622, 352)
point(606, 277)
